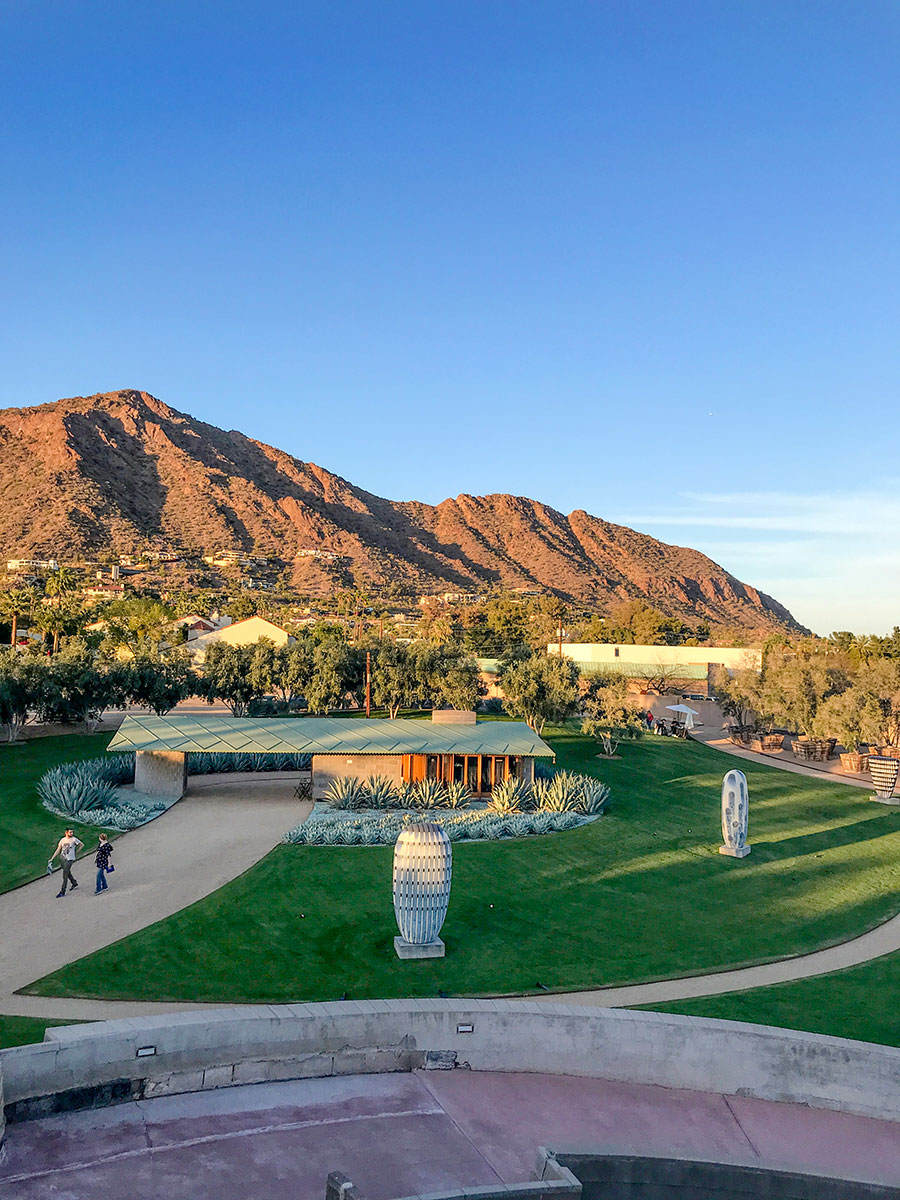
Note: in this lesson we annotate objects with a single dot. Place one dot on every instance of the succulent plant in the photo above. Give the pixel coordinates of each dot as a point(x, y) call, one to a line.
point(346, 792)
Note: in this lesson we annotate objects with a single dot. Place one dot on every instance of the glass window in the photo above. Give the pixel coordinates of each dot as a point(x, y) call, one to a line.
point(486, 774)
point(515, 768)
point(472, 774)
point(459, 768)
point(431, 767)
point(499, 770)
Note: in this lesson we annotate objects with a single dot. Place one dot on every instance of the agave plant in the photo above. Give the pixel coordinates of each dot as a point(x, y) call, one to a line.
point(381, 792)
point(509, 796)
point(73, 788)
point(458, 795)
point(346, 792)
point(594, 795)
point(430, 793)
point(562, 793)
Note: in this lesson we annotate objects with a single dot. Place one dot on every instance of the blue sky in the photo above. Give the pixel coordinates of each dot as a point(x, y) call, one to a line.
point(637, 258)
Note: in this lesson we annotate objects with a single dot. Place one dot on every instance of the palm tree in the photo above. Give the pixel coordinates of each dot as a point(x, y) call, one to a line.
point(62, 581)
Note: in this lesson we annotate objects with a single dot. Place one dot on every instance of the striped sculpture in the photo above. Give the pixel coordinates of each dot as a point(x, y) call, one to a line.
point(423, 864)
point(884, 772)
point(735, 815)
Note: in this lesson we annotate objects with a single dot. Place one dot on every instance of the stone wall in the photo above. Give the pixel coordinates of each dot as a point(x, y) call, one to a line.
point(78, 1066)
point(327, 767)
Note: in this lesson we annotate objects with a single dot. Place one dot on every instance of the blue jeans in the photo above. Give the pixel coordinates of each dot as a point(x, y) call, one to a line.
point(102, 885)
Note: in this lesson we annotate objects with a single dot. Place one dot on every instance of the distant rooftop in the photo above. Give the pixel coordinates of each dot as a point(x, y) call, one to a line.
point(326, 735)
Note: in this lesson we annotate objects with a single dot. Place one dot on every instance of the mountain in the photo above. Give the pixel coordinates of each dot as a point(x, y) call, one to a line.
point(121, 470)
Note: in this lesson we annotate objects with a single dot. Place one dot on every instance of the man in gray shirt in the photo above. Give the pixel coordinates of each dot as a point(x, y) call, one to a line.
point(67, 848)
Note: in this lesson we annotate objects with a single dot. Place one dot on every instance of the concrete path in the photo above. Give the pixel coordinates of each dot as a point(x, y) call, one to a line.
point(414, 1134)
point(223, 825)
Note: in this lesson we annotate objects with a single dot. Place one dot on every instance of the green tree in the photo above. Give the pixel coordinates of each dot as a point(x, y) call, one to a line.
point(608, 713)
point(61, 582)
point(139, 623)
point(78, 691)
point(228, 676)
point(336, 676)
point(540, 689)
point(460, 685)
point(293, 669)
point(158, 685)
point(395, 680)
point(22, 683)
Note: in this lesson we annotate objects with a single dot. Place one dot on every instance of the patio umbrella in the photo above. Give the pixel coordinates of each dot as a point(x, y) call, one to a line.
point(689, 713)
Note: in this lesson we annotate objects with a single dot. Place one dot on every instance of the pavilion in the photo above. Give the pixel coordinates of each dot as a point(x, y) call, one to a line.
point(453, 745)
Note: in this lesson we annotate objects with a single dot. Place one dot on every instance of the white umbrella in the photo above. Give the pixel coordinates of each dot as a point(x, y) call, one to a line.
point(689, 713)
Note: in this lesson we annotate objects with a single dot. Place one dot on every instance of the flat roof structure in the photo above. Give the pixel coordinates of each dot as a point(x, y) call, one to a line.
point(326, 735)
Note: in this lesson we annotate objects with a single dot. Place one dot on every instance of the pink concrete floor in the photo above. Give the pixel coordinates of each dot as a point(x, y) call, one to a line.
point(397, 1135)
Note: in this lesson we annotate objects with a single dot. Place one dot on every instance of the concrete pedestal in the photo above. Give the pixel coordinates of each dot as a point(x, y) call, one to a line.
point(886, 799)
point(407, 949)
point(160, 773)
point(741, 852)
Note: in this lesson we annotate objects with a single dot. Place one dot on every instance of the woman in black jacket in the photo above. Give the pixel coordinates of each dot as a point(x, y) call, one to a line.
point(104, 850)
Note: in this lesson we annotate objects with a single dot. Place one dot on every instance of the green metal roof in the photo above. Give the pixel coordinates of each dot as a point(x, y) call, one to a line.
point(326, 735)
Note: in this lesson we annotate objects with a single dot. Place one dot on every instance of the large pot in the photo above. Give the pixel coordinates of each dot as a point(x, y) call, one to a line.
point(884, 771)
point(423, 865)
point(854, 762)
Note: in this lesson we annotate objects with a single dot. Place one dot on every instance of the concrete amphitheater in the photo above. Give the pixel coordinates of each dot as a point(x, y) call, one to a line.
point(389, 1099)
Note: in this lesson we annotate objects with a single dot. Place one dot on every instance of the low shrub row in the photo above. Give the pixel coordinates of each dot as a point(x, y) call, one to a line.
point(89, 792)
point(479, 825)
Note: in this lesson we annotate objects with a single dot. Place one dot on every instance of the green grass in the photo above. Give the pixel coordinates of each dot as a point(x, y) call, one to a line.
point(21, 1031)
point(28, 833)
point(640, 894)
point(859, 1002)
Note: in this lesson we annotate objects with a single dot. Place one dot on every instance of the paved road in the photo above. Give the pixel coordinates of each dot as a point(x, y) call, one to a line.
point(223, 826)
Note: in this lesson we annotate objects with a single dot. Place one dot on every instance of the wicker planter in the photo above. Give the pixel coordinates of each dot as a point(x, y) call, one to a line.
point(773, 741)
point(884, 771)
point(890, 751)
point(854, 763)
point(423, 862)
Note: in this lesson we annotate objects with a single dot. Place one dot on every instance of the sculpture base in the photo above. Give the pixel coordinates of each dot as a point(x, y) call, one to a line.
point(742, 852)
point(407, 949)
point(885, 799)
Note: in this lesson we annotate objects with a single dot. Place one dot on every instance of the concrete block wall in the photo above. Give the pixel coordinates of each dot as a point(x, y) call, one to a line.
point(160, 773)
point(328, 767)
point(209, 1049)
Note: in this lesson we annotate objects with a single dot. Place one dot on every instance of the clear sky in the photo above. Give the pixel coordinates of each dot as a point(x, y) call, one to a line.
point(635, 257)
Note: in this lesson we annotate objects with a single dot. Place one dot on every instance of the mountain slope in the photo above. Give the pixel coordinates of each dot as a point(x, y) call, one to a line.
point(118, 470)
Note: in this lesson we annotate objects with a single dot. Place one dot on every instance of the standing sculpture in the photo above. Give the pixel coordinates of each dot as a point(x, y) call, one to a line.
point(423, 864)
point(884, 772)
point(735, 815)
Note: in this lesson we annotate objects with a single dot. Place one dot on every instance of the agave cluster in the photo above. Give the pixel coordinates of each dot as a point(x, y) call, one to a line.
point(377, 791)
point(202, 762)
point(470, 826)
point(88, 792)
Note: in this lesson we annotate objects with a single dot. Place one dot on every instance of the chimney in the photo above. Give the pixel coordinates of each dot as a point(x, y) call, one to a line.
point(453, 716)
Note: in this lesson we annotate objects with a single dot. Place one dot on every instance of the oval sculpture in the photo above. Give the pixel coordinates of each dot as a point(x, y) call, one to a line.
point(423, 863)
point(735, 814)
point(884, 772)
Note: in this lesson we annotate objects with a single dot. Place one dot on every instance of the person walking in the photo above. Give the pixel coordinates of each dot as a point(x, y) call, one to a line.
point(67, 847)
point(104, 850)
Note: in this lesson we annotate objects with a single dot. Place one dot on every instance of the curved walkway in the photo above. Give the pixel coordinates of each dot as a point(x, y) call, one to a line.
point(218, 830)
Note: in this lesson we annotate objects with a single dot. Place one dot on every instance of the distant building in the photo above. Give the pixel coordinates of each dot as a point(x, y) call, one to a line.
point(327, 555)
point(675, 664)
point(32, 564)
point(106, 591)
point(238, 633)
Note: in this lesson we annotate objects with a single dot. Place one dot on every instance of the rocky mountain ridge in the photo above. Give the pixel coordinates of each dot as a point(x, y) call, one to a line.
point(121, 470)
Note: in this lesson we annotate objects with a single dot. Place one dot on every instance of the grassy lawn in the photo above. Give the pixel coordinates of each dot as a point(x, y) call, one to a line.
point(28, 833)
point(21, 1031)
point(856, 1003)
point(641, 894)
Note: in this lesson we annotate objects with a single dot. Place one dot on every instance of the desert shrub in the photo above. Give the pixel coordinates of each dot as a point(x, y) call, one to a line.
point(202, 762)
point(430, 793)
point(346, 792)
point(509, 796)
point(381, 792)
point(561, 793)
point(73, 788)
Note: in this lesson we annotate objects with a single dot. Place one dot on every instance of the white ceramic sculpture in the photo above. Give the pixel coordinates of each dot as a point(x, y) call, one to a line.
point(735, 815)
point(884, 772)
point(423, 864)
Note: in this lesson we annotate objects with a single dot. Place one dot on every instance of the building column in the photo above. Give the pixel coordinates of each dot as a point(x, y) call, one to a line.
point(160, 773)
